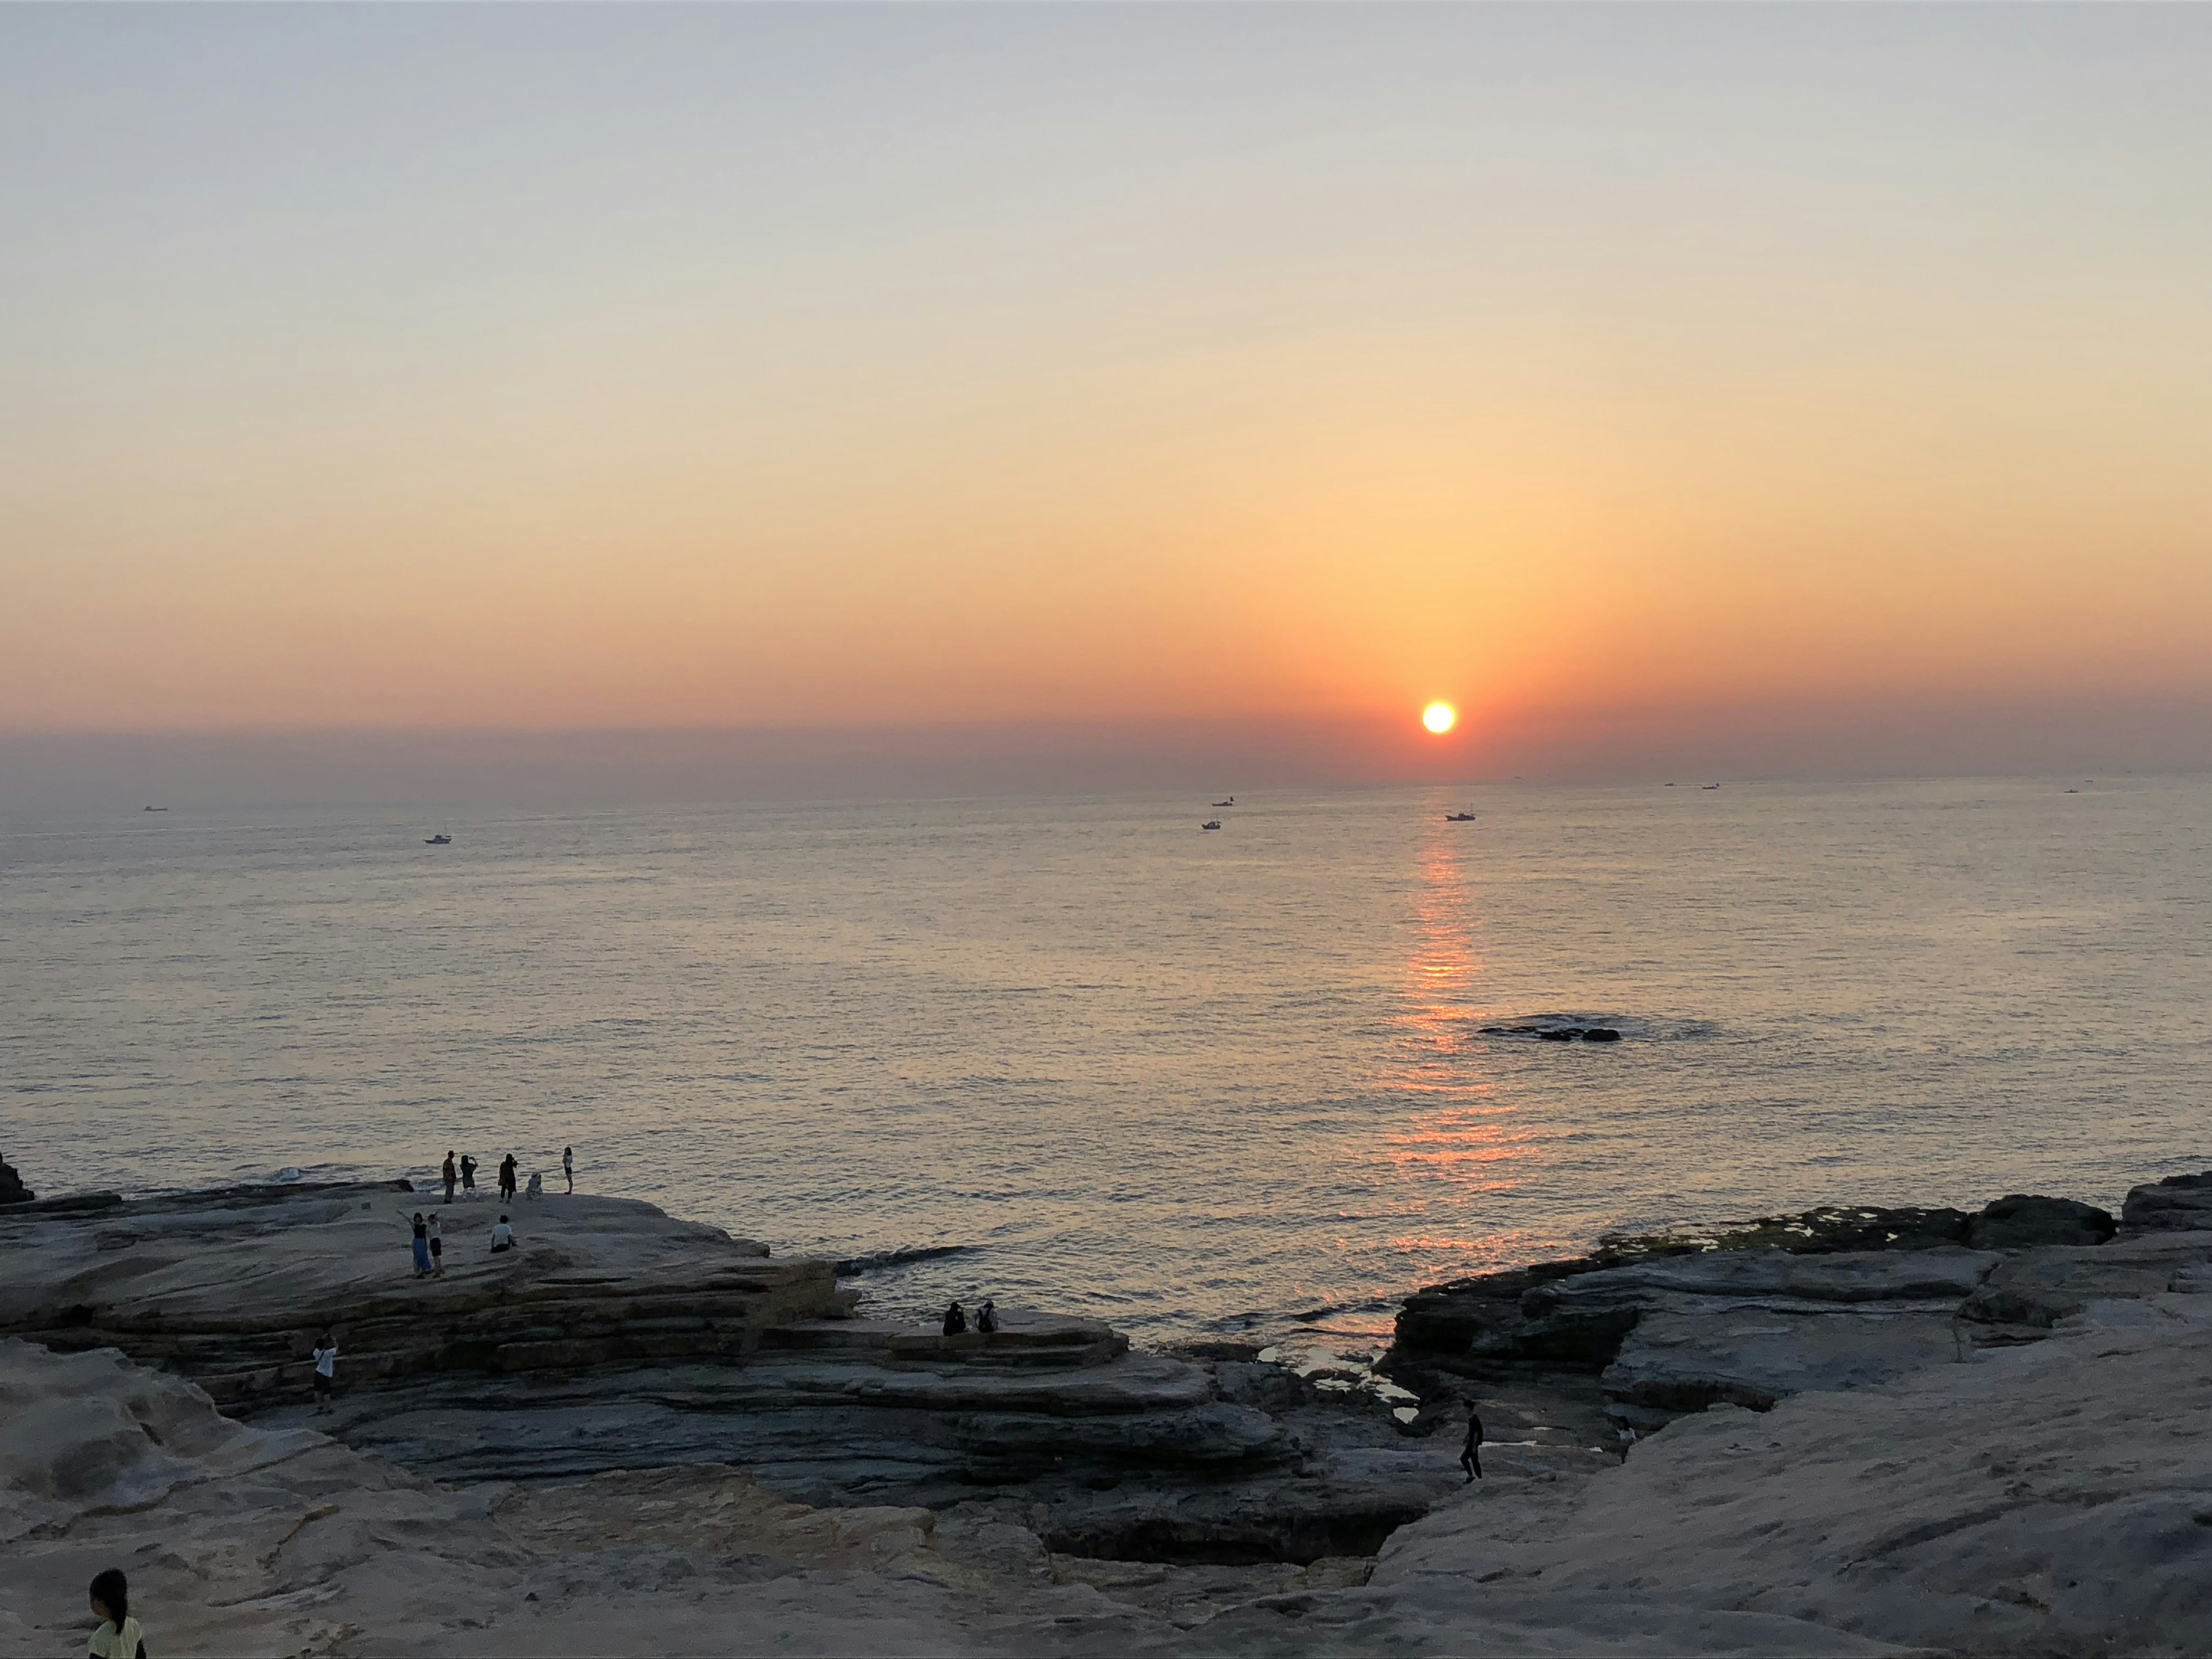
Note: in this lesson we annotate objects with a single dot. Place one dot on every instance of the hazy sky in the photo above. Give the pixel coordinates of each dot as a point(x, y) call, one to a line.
point(526, 366)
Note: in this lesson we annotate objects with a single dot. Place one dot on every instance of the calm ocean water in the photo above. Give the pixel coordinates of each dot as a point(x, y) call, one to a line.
point(1194, 1083)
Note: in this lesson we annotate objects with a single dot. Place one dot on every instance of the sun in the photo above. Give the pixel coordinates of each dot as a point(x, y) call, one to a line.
point(1439, 717)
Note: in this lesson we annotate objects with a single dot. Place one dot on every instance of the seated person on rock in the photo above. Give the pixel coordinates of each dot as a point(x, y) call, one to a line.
point(955, 1320)
point(987, 1316)
point(502, 1236)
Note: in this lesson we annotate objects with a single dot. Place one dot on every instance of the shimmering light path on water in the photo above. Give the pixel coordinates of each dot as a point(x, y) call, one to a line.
point(1192, 1082)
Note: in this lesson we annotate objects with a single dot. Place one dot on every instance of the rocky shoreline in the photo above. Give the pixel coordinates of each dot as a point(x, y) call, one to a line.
point(623, 1360)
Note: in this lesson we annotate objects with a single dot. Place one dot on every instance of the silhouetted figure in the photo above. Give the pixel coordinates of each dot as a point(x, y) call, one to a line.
point(468, 1174)
point(987, 1316)
point(1470, 1455)
point(451, 1176)
point(955, 1320)
point(422, 1247)
point(119, 1635)
point(326, 1370)
point(437, 1250)
point(506, 1179)
point(12, 1189)
point(568, 1166)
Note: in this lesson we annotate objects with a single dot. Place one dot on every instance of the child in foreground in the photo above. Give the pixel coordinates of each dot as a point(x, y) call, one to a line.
point(119, 1635)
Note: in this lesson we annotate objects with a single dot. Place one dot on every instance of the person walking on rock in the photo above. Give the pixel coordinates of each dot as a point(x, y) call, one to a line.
point(326, 1370)
point(568, 1166)
point(119, 1635)
point(507, 1168)
point(450, 1174)
point(468, 1175)
point(1470, 1455)
point(422, 1247)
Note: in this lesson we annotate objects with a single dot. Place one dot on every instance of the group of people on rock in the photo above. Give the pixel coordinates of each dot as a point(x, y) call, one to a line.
point(428, 1240)
point(463, 1174)
point(987, 1318)
point(430, 1244)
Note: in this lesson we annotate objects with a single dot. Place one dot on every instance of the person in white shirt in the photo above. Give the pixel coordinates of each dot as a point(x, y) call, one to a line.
point(502, 1236)
point(119, 1635)
point(326, 1370)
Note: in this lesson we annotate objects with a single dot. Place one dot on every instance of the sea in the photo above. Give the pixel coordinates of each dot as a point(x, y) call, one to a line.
point(1253, 1082)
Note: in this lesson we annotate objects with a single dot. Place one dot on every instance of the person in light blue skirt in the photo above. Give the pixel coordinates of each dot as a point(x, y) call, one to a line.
point(422, 1247)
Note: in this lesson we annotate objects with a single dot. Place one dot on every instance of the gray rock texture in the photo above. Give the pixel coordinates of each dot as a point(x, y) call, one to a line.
point(1676, 1362)
point(2180, 1203)
point(618, 1337)
point(2021, 1221)
point(2049, 1499)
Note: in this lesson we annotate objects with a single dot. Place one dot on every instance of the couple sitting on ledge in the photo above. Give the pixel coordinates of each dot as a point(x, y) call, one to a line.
point(987, 1318)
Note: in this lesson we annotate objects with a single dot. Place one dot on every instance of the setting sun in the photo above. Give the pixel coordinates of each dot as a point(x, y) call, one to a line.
point(1439, 717)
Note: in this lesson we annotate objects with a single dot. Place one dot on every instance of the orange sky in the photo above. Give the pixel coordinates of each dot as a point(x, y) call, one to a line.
point(644, 368)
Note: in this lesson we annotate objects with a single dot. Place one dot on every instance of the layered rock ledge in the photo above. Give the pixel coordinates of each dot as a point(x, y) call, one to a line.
point(1831, 1300)
point(618, 1337)
point(2050, 1496)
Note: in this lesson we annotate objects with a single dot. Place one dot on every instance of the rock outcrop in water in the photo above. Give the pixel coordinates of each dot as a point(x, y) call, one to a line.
point(231, 1287)
point(1831, 1300)
point(12, 1189)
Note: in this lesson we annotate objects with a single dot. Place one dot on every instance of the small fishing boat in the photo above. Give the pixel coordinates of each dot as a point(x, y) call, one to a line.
point(153, 809)
point(437, 841)
point(1231, 802)
point(1211, 824)
point(1459, 818)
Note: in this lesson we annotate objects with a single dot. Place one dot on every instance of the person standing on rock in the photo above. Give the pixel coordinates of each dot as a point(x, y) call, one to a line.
point(450, 1175)
point(1470, 1455)
point(468, 1175)
point(119, 1635)
point(568, 1166)
point(422, 1247)
point(437, 1250)
point(326, 1370)
point(507, 1168)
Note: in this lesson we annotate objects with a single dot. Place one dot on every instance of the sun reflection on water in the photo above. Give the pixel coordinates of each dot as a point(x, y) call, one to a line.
point(1468, 1138)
